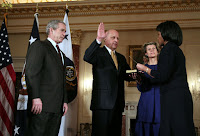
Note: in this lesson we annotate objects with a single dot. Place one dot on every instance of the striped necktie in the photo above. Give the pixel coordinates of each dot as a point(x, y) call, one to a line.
point(59, 53)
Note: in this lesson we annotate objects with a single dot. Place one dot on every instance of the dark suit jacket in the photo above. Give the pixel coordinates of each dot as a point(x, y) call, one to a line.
point(171, 71)
point(108, 82)
point(176, 100)
point(45, 76)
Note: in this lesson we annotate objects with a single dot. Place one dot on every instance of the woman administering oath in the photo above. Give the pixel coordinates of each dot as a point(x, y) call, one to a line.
point(176, 100)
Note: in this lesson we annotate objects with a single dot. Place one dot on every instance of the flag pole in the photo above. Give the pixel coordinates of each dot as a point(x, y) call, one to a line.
point(36, 8)
point(66, 6)
point(5, 17)
point(36, 14)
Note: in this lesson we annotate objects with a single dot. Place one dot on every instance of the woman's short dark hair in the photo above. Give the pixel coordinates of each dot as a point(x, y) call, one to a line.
point(171, 32)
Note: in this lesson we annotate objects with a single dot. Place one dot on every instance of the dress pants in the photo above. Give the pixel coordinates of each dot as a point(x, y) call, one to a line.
point(44, 124)
point(107, 122)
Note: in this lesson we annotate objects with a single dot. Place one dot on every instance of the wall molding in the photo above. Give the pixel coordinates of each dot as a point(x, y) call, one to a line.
point(18, 63)
point(121, 15)
point(101, 8)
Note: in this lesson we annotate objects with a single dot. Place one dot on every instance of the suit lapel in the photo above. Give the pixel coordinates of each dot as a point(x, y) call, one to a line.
point(54, 53)
point(110, 58)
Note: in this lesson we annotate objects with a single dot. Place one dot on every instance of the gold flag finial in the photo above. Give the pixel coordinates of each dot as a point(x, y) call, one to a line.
point(7, 5)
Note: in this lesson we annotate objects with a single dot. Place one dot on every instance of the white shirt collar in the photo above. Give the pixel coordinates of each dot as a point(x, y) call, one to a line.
point(109, 50)
point(53, 43)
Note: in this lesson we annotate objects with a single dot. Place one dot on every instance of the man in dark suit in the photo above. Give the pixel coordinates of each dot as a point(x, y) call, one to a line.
point(45, 78)
point(107, 102)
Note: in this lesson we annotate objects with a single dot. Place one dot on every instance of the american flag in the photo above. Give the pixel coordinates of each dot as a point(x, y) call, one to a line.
point(7, 85)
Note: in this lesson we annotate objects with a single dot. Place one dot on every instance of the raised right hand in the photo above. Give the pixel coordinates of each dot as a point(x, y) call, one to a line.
point(101, 32)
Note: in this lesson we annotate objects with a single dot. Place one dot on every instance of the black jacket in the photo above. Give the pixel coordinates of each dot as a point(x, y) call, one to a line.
point(45, 77)
point(108, 82)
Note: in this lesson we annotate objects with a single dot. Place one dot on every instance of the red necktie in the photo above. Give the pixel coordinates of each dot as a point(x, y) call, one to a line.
point(59, 52)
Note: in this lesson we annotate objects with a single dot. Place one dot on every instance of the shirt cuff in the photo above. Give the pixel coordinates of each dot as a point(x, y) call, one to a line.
point(98, 41)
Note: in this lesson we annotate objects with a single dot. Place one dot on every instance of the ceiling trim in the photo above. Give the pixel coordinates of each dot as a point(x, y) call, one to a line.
point(101, 8)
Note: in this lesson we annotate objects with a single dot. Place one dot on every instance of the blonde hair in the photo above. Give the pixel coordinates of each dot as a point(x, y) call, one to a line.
point(144, 47)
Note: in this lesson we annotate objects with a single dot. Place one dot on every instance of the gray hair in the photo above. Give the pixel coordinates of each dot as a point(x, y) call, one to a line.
point(53, 24)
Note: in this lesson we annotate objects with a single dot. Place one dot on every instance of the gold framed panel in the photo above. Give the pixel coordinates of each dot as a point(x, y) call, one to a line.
point(135, 52)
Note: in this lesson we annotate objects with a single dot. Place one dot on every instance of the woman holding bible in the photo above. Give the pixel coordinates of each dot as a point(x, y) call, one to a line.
point(148, 110)
point(175, 97)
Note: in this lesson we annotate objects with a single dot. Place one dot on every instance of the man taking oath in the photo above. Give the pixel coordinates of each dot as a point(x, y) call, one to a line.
point(109, 72)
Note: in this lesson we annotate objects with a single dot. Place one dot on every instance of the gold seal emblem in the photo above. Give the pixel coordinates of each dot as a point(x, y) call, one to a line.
point(70, 73)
